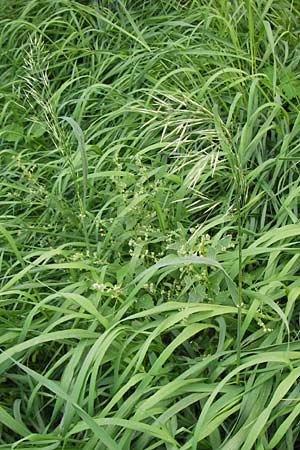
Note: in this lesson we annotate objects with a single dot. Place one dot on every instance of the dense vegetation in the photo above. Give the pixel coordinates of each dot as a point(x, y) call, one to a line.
point(149, 224)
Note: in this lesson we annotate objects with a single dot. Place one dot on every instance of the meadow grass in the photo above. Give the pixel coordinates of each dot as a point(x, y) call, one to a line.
point(149, 225)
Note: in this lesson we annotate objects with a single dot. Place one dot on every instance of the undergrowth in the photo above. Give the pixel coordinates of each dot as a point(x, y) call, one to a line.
point(149, 225)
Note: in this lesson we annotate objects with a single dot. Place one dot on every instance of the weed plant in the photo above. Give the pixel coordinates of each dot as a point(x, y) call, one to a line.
point(149, 225)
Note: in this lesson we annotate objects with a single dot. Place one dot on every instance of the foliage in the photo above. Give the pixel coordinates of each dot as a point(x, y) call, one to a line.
point(149, 225)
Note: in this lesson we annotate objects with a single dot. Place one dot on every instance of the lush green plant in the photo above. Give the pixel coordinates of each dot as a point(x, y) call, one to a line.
point(149, 225)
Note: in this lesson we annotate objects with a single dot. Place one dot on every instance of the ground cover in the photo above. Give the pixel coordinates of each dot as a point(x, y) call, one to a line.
point(149, 224)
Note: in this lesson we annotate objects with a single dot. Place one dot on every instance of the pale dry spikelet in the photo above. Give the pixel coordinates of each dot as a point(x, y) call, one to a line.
point(37, 90)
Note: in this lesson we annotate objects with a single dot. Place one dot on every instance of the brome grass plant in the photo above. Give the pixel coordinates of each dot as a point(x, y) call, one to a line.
point(149, 225)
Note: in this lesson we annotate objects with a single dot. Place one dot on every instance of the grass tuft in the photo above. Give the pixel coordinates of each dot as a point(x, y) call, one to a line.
point(149, 225)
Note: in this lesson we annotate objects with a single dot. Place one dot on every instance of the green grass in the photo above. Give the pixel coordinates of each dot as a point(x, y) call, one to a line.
point(149, 225)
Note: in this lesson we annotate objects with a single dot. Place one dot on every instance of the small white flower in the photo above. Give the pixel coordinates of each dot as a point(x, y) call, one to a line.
point(99, 286)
